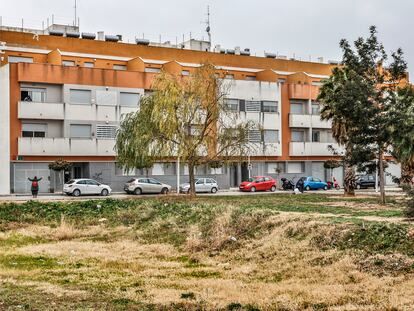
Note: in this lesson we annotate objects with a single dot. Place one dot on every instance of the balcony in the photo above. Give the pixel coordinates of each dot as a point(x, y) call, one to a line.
point(266, 150)
point(65, 147)
point(43, 111)
point(303, 91)
point(307, 120)
point(313, 149)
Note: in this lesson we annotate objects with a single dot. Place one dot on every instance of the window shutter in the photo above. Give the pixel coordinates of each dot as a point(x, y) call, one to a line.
point(242, 105)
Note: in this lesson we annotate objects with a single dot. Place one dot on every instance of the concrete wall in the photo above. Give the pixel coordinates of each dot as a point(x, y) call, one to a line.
point(5, 130)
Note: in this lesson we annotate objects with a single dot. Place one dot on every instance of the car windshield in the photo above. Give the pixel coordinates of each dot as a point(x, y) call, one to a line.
point(70, 182)
point(131, 180)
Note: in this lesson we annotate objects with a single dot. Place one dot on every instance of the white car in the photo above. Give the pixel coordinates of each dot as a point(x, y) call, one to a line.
point(77, 187)
point(201, 185)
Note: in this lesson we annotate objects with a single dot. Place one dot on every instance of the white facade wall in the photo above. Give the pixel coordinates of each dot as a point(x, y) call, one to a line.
point(5, 130)
point(259, 91)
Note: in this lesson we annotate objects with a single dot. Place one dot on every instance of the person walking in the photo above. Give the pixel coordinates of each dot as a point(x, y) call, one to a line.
point(35, 185)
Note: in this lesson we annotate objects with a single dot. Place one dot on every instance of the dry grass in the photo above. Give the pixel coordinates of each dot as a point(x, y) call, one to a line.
point(269, 261)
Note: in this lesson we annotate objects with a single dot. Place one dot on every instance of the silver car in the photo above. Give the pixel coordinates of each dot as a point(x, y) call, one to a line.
point(146, 185)
point(201, 185)
point(77, 187)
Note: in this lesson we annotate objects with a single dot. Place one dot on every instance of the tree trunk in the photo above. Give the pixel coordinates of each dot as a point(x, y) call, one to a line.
point(349, 180)
point(381, 176)
point(191, 168)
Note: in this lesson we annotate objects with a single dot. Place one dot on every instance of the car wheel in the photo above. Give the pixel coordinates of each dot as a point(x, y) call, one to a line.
point(76, 193)
point(137, 191)
point(104, 192)
point(273, 189)
point(164, 191)
point(307, 188)
point(214, 190)
point(325, 187)
point(358, 187)
point(253, 189)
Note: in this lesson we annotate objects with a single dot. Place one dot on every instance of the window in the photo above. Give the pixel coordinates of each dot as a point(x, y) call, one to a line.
point(298, 136)
point(297, 108)
point(269, 106)
point(270, 136)
point(254, 136)
point(92, 182)
point(80, 96)
point(232, 104)
point(250, 78)
point(157, 169)
point(216, 170)
point(34, 130)
point(316, 108)
point(122, 171)
point(201, 170)
point(80, 130)
point(129, 99)
point(169, 168)
point(210, 181)
point(253, 106)
point(20, 59)
point(119, 67)
point(316, 136)
point(274, 167)
point(229, 76)
point(153, 181)
point(33, 95)
point(152, 70)
point(185, 73)
point(68, 63)
point(88, 64)
point(296, 167)
point(200, 181)
point(106, 131)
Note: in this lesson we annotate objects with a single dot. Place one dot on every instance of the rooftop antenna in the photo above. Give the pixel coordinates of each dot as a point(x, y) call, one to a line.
point(208, 28)
point(75, 12)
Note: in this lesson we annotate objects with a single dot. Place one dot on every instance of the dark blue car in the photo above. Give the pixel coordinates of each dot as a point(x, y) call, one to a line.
point(313, 183)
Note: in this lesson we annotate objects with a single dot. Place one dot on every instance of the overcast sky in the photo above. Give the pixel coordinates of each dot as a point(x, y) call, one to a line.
point(304, 28)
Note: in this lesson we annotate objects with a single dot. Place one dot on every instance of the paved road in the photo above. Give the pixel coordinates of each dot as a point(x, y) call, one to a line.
point(231, 192)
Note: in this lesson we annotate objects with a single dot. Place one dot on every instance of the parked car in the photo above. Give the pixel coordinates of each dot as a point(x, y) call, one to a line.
point(146, 185)
point(258, 183)
point(201, 185)
point(83, 186)
point(313, 183)
point(365, 181)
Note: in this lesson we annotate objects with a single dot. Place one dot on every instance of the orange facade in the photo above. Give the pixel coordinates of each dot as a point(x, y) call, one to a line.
point(48, 52)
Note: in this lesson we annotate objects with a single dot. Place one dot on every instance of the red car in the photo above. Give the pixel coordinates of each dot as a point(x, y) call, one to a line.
point(258, 183)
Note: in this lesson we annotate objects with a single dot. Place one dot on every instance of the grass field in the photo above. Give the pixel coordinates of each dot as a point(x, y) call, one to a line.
point(271, 252)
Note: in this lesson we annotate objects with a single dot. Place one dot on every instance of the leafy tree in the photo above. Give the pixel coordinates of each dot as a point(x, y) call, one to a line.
point(402, 132)
point(60, 166)
point(359, 97)
point(185, 117)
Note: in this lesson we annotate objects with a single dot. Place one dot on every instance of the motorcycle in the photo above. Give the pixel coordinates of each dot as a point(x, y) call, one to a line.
point(287, 184)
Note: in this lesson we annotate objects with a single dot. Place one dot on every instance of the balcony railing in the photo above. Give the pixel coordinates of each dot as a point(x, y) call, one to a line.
point(268, 149)
point(307, 120)
point(65, 147)
point(37, 110)
point(313, 149)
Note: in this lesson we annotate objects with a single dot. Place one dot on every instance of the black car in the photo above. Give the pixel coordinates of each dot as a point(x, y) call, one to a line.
point(365, 181)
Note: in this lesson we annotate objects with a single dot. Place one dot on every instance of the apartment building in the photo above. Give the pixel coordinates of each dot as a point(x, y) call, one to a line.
point(63, 94)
